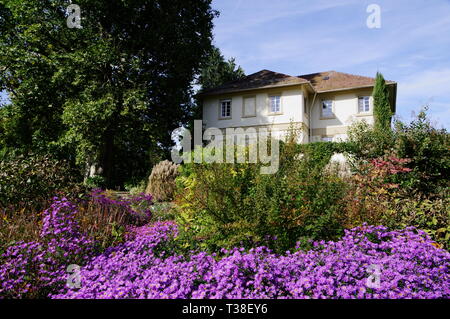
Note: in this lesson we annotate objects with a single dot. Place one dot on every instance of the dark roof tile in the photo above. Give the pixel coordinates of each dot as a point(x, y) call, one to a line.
point(258, 80)
point(321, 82)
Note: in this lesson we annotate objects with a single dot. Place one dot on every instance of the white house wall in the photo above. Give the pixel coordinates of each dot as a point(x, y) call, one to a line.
point(291, 111)
point(345, 110)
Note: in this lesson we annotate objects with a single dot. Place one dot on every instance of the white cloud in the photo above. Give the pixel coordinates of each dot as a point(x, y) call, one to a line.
point(253, 14)
point(429, 83)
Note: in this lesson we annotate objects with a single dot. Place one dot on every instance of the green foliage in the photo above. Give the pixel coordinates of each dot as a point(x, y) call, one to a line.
point(161, 183)
point(95, 182)
point(31, 181)
point(368, 143)
point(382, 107)
point(428, 149)
point(163, 211)
point(136, 188)
point(216, 70)
point(223, 205)
point(429, 214)
point(108, 93)
point(320, 152)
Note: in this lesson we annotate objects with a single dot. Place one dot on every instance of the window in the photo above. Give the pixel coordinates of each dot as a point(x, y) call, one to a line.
point(364, 104)
point(305, 105)
point(327, 139)
point(225, 108)
point(327, 108)
point(249, 107)
point(275, 104)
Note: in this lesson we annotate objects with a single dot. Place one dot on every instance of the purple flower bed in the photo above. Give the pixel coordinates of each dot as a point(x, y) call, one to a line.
point(411, 267)
point(35, 268)
point(137, 206)
point(145, 266)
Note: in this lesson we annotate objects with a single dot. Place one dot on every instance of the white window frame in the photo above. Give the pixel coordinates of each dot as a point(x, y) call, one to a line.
point(223, 112)
point(278, 110)
point(331, 109)
point(366, 108)
point(327, 139)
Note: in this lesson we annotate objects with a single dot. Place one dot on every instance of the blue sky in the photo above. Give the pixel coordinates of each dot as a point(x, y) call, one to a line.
point(295, 37)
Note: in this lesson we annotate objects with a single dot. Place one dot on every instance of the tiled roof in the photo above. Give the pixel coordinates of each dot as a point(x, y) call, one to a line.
point(321, 82)
point(258, 80)
point(332, 80)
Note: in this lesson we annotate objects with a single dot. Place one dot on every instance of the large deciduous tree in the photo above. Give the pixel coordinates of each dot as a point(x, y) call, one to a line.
point(109, 93)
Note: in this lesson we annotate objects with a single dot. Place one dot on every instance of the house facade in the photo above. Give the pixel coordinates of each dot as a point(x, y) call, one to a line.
point(321, 105)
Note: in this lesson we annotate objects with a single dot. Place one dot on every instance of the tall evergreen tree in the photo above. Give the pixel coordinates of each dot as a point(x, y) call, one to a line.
point(382, 106)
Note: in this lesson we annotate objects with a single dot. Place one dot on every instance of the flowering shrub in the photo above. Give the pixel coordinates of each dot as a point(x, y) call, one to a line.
point(34, 269)
point(425, 146)
point(379, 197)
point(136, 207)
point(375, 186)
point(410, 267)
point(102, 217)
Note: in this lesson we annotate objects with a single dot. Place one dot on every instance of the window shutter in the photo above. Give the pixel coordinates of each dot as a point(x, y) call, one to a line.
point(249, 106)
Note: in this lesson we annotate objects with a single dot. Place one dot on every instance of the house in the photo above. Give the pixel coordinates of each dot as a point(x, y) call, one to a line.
point(323, 104)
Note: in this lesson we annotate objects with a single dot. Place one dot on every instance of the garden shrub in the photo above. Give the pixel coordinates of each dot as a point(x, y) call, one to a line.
point(31, 181)
point(161, 183)
point(373, 188)
point(429, 214)
point(95, 182)
point(368, 143)
point(226, 205)
point(378, 197)
point(320, 153)
point(428, 149)
point(163, 211)
point(135, 188)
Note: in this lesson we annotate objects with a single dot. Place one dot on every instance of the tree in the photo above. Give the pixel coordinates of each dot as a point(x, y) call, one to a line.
point(107, 94)
point(382, 106)
point(216, 70)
